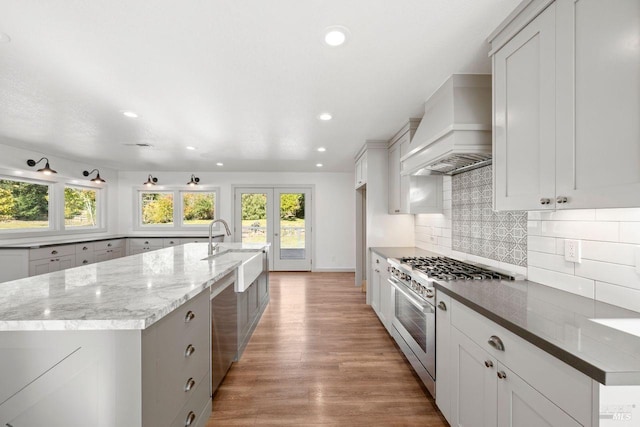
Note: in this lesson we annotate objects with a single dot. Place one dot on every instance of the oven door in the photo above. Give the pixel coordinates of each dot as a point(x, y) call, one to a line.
point(415, 321)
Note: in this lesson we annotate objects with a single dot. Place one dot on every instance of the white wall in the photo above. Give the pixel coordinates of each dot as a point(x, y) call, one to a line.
point(333, 215)
point(15, 159)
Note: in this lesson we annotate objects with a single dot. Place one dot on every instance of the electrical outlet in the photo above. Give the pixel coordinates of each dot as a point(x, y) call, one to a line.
point(573, 250)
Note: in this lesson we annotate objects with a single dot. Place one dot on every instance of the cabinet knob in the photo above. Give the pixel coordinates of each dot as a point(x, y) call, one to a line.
point(190, 419)
point(108, 245)
point(377, 261)
point(189, 385)
point(377, 271)
point(54, 252)
point(488, 363)
point(561, 199)
point(171, 242)
point(85, 262)
point(496, 343)
point(545, 201)
point(442, 306)
point(397, 211)
point(189, 351)
point(189, 316)
point(146, 242)
point(502, 375)
point(84, 248)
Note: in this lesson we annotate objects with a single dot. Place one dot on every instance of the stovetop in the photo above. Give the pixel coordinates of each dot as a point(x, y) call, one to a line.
point(444, 268)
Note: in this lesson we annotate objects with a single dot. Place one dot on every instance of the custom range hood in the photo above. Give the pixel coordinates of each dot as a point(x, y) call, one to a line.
point(455, 133)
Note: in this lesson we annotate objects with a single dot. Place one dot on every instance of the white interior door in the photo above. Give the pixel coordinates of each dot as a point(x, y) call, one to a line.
point(280, 216)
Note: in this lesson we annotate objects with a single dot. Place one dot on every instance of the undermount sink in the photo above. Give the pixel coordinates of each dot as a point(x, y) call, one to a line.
point(248, 271)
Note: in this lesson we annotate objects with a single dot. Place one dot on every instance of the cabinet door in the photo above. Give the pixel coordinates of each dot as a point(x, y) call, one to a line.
point(524, 117)
point(116, 253)
point(474, 393)
point(65, 262)
point(444, 367)
point(42, 266)
point(394, 180)
point(520, 405)
point(598, 126)
point(386, 307)
point(103, 255)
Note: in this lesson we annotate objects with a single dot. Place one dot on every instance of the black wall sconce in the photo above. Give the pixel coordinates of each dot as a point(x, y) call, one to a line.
point(194, 181)
point(151, 181)
point(97, 179)
point(45, 170)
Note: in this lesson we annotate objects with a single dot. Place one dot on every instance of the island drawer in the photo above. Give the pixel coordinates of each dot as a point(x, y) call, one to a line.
point(170, 242)
point(84, 259)
point(148, 243)
point(52, 251)
point(190, 413)
point(84, 248)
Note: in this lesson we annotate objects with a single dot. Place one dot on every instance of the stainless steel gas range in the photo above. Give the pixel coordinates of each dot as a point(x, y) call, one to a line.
point(414, 319)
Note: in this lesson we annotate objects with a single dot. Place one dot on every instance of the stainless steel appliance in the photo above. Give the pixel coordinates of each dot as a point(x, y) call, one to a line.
point(414, 320)
point(224, 329)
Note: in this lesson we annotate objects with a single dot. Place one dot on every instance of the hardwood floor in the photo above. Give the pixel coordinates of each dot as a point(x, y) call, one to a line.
point(320, 356)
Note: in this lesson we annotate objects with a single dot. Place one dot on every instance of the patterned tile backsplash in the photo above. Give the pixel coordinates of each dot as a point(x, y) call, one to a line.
point(477, 229)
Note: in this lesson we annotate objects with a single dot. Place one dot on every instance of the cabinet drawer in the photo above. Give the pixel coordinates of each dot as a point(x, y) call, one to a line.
point(196, 405)
point(176, 335)
point(84, 248)
point(108, 244)
point(86, 258)
point(170, 242)
point(57, 251)
point(137, 243)
point(195, 240)
point(559, 382)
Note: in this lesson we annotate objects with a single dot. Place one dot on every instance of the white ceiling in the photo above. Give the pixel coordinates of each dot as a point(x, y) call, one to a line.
point(241, 80)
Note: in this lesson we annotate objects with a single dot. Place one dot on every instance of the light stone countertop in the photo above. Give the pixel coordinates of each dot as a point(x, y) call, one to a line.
point(132, 292)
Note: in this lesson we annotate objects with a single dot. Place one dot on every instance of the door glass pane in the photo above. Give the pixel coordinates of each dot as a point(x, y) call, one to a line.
point(254, 218)
point(292, 226)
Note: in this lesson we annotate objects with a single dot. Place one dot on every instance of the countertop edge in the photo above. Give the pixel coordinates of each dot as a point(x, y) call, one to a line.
point(572, 360)
point(71, 241)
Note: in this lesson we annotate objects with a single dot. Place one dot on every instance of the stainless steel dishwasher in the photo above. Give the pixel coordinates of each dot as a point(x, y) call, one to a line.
point(224, 328)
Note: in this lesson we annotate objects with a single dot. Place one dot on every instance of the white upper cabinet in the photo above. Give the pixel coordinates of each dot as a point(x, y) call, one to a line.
point(566, 106)
point(598, 100)
point(524, 117)
point(399, 185)
point(361, 170)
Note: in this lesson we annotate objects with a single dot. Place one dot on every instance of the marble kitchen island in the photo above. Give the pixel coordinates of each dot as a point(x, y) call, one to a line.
point(122, 342)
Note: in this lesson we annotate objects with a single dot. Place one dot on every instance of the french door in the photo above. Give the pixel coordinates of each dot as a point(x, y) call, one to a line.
point(280, 216)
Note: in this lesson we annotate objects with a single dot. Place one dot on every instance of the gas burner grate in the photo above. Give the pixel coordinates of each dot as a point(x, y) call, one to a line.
point(444, 268)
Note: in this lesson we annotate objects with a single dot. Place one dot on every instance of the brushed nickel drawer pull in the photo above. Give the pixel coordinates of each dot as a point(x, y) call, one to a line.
point(84, 248)
point(54, 252)
point(108, 245)
point(496, 343)
point(502, 375)
point(189, 351)
point(189, 385)
point(189, 317)
point(190, 419)
point(85, 262)
point(442, 306)
point(488, 363)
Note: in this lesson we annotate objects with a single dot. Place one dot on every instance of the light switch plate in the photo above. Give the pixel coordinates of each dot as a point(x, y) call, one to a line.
point(573, 250)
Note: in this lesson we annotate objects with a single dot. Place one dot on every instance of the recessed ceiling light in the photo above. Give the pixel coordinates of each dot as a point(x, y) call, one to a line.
point(319, 165)
point(189, 147)
point(336, 35)
point(130, 114)
point(322, 149)
point(325, 117)
point(219, 164)
point(4, 38)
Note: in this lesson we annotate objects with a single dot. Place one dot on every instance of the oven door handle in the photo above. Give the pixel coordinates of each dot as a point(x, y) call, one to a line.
point(424, 308)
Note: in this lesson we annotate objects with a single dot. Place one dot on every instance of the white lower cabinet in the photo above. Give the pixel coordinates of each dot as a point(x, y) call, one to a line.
point(520, 405)
point(509, 383)
point(380, 289)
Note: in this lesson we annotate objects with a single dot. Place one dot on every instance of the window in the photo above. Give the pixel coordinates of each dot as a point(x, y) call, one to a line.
point(176, 208)
point(156, 208)
point(24, 205)
point(80, 207)
point(198, 208)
